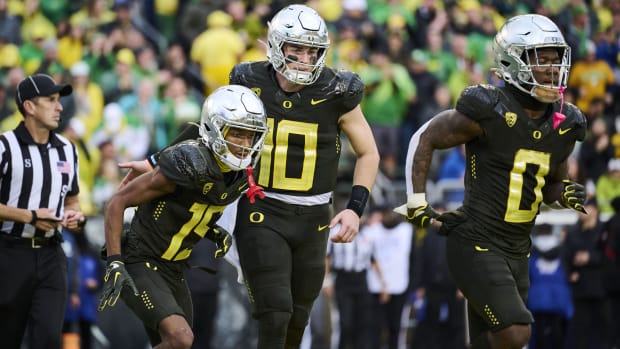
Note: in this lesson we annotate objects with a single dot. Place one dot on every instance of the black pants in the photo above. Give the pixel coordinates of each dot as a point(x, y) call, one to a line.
point(355, 306)
point(33, 294)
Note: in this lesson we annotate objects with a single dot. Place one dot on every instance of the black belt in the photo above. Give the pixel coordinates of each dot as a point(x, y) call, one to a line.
point(12, 241)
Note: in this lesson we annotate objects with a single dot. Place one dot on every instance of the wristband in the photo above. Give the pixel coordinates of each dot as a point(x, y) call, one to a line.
point(34, 219)
point(416, 200)
point(152, 160)
point(114, 258)
point(358, 200)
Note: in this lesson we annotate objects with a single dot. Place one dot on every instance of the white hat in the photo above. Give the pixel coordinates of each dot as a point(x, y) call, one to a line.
point(80, 68)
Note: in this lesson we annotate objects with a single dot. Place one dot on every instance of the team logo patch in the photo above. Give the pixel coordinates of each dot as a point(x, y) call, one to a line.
point(511, 118)
point(206, 188)
point(256, 90)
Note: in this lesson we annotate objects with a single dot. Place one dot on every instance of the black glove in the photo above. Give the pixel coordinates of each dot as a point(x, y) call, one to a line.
point(116, 277)
point(421, 216)
point(417, 211)
point(221, 238)
point(573, 196)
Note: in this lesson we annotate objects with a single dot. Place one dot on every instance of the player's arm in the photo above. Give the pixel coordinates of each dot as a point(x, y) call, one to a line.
point(355, 126)
point(559, 192)
point(447, 129)
point(144, 188)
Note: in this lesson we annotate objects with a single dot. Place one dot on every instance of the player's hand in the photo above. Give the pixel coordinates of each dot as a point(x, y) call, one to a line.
point(116, 277)
point(136, 168)
point(417, 211)
point(450, 219)
point(222, 240)
point(573, 196)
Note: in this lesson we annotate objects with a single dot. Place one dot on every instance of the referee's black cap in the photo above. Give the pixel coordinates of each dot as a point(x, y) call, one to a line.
point(39, 85)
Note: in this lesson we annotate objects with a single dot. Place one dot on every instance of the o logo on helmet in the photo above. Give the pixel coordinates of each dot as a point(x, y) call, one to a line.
point(256, 217)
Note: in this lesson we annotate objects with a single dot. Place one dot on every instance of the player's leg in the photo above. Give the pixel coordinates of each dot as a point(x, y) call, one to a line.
point(496, 289)
point(308, 268)
point(265, 257)
point(163, 304)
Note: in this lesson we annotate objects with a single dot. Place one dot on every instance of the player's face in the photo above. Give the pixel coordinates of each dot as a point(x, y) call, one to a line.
point(239, 142)
point(300, 57)
point(542, 60)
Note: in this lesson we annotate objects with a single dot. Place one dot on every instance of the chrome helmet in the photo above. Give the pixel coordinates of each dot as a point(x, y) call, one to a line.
point(233, 106)
point(515, 39)
point(298, 25)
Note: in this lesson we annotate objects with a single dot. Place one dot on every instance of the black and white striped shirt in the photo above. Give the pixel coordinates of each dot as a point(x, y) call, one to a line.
point(34, 176)
point(352, 257)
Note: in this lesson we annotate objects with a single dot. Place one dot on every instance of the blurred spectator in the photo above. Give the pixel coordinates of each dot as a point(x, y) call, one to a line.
point(10, 26)
point(595, 152)
point(584, 259)
point(92, 16)
point(5, 107)
point(99, 56)
point(71, 46)
point(217, 64)
point(613, 127)
point(178, 107)
point(88, 98)
point(348, 265)
point(608, 188)
point(31, 52)
point(120, 80)
point(590, 78)
point(389, 90)
point(144, 106)
point(453, 168)
point(442, 323)
point(89, 160)
point(612, 276)
point(549, 299)
point(9, 53)
point(176, 63)
point(392, 247)
point(442, 63)
point(108, 176)
point(34, 24)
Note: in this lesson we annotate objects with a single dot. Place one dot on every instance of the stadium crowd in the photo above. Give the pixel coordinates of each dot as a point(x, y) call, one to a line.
point(140, 70)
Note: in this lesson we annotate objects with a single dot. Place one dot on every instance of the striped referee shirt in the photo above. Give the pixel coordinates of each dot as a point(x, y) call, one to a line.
point(34, 176)
point(355, 256)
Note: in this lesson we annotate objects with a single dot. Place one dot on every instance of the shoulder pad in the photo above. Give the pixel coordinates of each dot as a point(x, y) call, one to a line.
point(350, 86)
point(575, 117)
point(238, 73)
point(186, 163)
point(477, 99)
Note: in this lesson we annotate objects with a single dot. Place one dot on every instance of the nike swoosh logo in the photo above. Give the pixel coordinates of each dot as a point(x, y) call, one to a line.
point(561, 131)
point(322, 227)
point(315, 102)
point(480, 249)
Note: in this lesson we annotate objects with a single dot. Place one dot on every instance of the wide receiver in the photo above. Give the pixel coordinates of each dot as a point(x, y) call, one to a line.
point(518, 138)
point(178, 204)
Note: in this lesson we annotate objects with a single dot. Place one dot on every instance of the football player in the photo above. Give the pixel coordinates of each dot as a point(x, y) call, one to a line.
point(282, 239)
point(518, 138)
point(179, 202)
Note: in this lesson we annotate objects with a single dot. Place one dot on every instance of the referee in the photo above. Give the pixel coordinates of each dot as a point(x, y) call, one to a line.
point(38, 197)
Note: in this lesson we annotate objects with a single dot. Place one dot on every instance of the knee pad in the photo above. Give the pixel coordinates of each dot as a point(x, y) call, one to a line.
point(275, 299)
